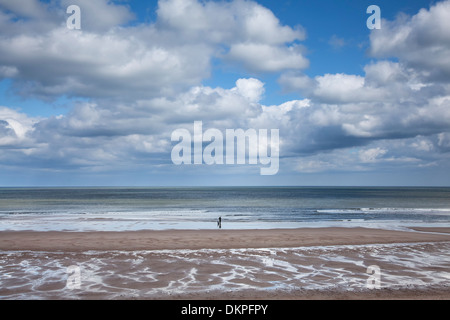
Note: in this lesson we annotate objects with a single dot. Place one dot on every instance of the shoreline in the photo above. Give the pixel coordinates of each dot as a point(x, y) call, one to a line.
point(211, 238)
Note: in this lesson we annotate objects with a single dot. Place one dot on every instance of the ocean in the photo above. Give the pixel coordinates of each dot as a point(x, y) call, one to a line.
point(120, 209)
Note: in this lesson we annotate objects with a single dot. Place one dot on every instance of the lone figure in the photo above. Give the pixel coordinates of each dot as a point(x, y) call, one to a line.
point(219, 222)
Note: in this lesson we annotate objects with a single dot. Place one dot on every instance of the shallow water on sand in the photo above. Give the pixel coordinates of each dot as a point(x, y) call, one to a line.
point(166, 273)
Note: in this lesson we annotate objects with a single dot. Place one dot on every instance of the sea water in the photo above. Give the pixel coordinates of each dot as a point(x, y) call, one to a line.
point(120, 209)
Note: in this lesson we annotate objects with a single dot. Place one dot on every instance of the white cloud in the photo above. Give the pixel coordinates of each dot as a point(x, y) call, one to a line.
point(268, 58)
point(338, 87)
point(8, 72)
point(96, 133)
point(226, 22)
point(100, 15)
point(444, 141)
point(104, 60)
point(364, 127)
point(261, 26)
point(314, 165)
point(33, 9)
point(145, 81)
point(421, 41)
point(423, 144)
point(252, 89)
point(371, 155)
point(383, 73)
point(15, 128)
point(295, 81)
point(393, 100)
point(252, 34)
point(100, 65)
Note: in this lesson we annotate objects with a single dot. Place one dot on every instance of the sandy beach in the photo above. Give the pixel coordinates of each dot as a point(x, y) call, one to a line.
point(211, 239)
point(309, 263)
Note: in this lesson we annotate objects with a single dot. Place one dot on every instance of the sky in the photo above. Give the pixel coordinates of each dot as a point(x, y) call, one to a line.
point(97, 106)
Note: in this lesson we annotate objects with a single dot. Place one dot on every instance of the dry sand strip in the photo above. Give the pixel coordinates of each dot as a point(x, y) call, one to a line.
point(210, 239)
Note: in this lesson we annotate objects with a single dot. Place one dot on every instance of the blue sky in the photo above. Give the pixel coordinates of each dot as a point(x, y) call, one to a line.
point(97, 106)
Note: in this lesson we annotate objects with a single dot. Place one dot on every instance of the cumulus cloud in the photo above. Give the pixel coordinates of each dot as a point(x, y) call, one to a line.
point(396, 114)
point(15, 128)
point(143, 81)
point(421, 41)
point(253, 89)
point(107, 59)
point(99, 65)
point(253, 37)
point(265, 58)
point(392, 100)
point(371, 155)
point(225, 22)
point(30, 16)
point(98, 136)
point(101, 15)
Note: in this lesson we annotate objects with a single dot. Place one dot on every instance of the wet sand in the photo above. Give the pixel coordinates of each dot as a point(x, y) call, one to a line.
point(210, 239)
point(316, 263)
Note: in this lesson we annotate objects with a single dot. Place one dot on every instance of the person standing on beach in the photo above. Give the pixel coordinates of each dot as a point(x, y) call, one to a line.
point(219, 222)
